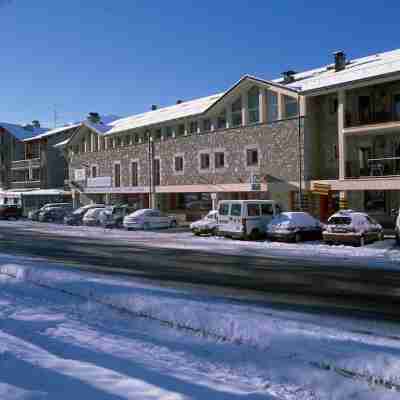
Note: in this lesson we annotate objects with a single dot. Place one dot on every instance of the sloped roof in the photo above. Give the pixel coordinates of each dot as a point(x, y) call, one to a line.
point(52, 132)
point(372, 66)
point(20, 132)
point(184, 109)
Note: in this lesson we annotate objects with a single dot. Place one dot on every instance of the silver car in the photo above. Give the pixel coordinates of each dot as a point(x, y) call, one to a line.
point(148, 218)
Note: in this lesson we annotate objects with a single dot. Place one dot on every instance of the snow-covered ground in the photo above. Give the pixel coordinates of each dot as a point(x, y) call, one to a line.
point(383, 254)
point(67, 334)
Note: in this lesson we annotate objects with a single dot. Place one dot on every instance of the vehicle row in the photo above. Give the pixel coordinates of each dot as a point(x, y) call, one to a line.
point(256, 219)
point(117, 216)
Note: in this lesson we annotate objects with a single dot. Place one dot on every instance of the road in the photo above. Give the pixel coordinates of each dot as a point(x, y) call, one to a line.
point(297, 280)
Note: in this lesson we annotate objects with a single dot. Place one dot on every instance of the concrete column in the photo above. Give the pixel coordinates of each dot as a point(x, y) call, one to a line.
point(341, 138)
point(229, 116)
point(281, 113)
point(213, 124)
point(262, 101)
point(245, 108)
point(186, 123)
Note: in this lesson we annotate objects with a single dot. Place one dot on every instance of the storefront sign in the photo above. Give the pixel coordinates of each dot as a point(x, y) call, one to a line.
point(100, 181)
point(322, 189)
point(80, 174)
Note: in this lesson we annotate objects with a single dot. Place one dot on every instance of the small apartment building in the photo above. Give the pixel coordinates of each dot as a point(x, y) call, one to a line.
point(243, 143)
point(31, 164)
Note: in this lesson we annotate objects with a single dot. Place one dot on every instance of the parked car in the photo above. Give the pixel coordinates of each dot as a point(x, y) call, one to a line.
point(294, 226)
point(76, 217)
point(54, 214)
point(348, 226)
point(10, 211)
point(245, 219)
point(148, 218)
point(92, 216)
point(206, 225)
point(34, 214)
point(397, 226)
point(113, 217)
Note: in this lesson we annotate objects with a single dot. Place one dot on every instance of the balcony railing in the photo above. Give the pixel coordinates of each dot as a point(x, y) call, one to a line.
point(374, 168)
point(26, 163)
point(370, 118)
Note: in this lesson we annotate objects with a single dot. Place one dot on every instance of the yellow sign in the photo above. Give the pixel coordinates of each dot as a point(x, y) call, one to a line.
point(322, 189)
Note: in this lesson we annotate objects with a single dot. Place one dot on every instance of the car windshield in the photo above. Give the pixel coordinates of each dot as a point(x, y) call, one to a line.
point(139, 213)
point(339, 221)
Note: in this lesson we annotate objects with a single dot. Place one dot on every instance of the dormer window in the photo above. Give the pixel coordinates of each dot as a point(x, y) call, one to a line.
point(237, 112)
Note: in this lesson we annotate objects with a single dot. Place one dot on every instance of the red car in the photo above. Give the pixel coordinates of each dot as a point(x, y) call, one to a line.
point(7, 212)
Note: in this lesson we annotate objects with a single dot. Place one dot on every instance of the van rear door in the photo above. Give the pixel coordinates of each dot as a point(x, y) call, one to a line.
point(223, 214)
point(235, 220)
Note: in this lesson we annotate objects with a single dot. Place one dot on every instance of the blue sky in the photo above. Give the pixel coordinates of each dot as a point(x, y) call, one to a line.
point(119, 57)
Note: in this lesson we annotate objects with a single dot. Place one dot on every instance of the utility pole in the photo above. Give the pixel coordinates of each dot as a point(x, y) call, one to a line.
point(300, 156)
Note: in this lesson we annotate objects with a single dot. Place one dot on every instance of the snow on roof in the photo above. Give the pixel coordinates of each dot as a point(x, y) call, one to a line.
point(20, 132)
point(52, 132)
point(357, 69)
point(185, 109)
point(62, 144)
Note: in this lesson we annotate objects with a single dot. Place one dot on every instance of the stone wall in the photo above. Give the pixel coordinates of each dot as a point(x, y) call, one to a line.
point(277, 146)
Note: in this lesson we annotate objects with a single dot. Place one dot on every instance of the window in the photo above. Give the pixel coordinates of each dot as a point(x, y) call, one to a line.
point(252, 157)
point(156, 173)
point(127, 140)
point(193, 127)
point(102, 144)
point(36, 174)
point(204, 161)
point(219, 160)
point(254, 105)
point(179, 164)
point(117, 175)
point(237, 112)
point(253, 210)
point(157, 134)
point(95, 143)
point(396, 106)
point(221, 121)
point(290, 106)
point(267, 209)
point(136, 138)
point(168, 132)
point(181, 130)
point(118, 141)
point(236, 210)
point(206, 125)
point(20, 175)
point(134, 171)
point(223, 209)
point(94, 171)
point(333, 105)
point(272, 106)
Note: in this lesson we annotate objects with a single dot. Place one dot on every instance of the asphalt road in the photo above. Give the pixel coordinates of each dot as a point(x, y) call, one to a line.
point(346, 286)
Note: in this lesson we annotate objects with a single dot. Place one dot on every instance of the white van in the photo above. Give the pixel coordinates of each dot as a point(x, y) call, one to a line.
point(245, 218)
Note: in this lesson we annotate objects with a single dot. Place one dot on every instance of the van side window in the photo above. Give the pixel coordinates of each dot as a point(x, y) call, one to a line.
point(253, 210)
point(236, 210)
point(223, 209)
point(267, 209)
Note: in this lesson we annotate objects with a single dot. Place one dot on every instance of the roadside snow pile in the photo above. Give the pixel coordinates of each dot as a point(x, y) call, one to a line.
point(372, 356)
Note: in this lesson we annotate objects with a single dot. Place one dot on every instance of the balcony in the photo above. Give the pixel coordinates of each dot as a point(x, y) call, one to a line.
point(27, 163)
point(374, 168)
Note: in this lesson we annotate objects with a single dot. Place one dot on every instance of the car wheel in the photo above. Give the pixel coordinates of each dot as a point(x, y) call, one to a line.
point(297, 237)
point(254, 235)
point(362, 241)
point(173, 224)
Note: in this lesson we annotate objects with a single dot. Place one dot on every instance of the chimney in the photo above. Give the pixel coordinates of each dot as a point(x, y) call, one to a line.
point(179, 101)
point(288, 76)
point(94, 117)
point(340, 60)
point(154, 107)
point(36, 124)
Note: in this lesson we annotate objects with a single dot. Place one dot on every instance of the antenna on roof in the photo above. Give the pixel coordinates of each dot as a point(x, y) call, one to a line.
point(55, 115)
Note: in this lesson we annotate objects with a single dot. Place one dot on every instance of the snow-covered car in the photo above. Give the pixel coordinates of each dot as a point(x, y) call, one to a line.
point(76, 217)
point(112, 217)
point(92, 217)
point(206, 225)
point(33, 215)
point(294, 226)
point(348, 226)
point(54, 214)
point(148, 218)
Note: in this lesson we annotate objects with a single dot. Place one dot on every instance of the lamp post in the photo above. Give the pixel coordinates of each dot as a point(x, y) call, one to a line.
point(151, 169)
point(300, 193)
